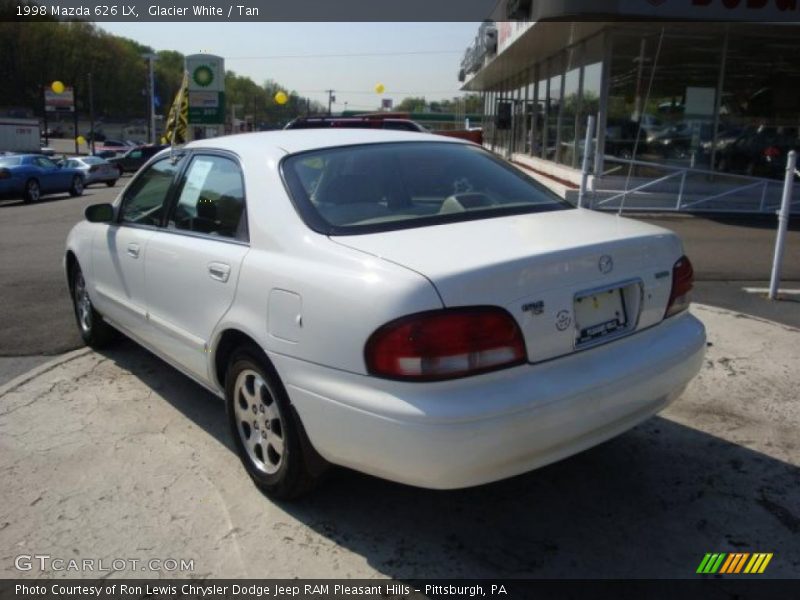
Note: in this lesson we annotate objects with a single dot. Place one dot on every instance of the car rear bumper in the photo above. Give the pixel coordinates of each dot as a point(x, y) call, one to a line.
point(481, 429)
point(101, 177)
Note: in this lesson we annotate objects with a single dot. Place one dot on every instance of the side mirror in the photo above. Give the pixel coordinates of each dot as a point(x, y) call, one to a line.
point(99, 213)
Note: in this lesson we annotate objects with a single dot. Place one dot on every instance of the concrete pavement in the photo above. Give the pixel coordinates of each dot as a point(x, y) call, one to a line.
point(116, 455)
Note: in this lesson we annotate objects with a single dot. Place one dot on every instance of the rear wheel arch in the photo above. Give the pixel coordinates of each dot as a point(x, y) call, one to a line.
point(229, 342)
point(234, 344)
point(71, 263)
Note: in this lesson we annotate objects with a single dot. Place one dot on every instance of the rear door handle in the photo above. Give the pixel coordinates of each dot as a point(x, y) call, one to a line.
point(219, 271)
point(133, 250)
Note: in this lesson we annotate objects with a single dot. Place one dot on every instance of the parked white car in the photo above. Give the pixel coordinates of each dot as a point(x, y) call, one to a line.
point(94, 169)
point(402, 304)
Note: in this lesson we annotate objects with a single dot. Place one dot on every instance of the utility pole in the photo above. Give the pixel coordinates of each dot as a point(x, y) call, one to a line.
point(151, 59)
point(91, 115)
point(44, 115)
point(331, 100)
point(255, 113)
point(75, 116)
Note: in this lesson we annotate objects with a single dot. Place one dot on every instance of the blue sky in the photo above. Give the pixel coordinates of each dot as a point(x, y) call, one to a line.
point(247, 48)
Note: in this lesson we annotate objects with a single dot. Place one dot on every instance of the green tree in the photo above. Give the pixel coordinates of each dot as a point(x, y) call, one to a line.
point(33, 54)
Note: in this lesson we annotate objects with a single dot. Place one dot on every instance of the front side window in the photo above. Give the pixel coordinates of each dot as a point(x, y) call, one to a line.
point(211, 199)
point(379, 187)
point(143, 203)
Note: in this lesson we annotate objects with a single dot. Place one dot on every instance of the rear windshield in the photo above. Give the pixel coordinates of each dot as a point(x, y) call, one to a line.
point(93, 160)
point(380, 187)
point(10, 161)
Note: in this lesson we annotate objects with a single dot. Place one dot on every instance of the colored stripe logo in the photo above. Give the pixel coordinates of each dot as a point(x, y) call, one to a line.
point(734, 563)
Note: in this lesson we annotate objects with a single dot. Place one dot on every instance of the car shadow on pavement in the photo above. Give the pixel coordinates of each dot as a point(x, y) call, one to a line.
point(648, 504)
point(753, 221)
point(9, 202)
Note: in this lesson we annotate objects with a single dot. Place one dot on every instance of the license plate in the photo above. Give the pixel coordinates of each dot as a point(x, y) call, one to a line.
point(599, 314)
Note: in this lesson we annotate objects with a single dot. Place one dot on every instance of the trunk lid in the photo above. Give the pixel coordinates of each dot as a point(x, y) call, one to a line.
point(556, 272)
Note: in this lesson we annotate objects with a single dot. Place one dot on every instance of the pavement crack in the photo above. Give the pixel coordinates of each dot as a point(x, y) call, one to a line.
point(33, 400)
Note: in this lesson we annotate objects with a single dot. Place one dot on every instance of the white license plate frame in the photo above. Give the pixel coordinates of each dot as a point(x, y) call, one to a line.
point(601, 314)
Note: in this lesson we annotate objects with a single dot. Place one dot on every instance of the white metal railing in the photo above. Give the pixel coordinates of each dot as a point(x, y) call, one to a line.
point(639, 188)
point(747, 183)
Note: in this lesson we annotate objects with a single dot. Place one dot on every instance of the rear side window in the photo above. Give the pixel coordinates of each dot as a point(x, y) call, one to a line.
point(380, 187)
point(144, 201)
point(211, 199)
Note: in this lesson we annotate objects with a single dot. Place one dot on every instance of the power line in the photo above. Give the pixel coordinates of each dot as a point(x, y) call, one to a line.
point(455, 92)
point(353, 55)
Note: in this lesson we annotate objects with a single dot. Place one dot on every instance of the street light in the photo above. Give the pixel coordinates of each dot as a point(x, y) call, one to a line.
point(151, 58)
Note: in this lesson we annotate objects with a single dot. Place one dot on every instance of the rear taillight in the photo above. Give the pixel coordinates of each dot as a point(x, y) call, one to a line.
point(445, 344)
point(682, 283)
point(5, 174)
point(772, 152)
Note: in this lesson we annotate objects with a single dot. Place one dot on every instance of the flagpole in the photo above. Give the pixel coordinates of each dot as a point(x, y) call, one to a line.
point(177, 108)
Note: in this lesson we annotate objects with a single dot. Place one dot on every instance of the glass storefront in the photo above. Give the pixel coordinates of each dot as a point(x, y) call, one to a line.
point(662, 96)
point(710, 96)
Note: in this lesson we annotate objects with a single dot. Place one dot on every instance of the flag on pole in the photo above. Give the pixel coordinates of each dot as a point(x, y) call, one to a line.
point(176, 131)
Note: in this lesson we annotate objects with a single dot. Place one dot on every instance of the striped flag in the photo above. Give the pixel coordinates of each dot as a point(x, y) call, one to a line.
point(176, 131)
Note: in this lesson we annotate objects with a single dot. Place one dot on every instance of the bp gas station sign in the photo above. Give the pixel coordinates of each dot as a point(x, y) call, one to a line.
point(206, 89)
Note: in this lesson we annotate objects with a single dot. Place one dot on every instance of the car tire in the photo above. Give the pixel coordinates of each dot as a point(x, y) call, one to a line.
point(266, 431)
point(111, 183)
point(76, 189)
point(96, 333)
point(32, 191)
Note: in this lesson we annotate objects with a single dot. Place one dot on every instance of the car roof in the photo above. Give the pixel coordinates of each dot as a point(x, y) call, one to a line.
point(292, 141)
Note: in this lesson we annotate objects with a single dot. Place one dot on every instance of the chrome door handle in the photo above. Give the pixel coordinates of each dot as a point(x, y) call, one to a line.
point(133, 250)
point(219, 271)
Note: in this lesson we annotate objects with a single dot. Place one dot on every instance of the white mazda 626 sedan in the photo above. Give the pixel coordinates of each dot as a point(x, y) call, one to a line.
point(403, 304)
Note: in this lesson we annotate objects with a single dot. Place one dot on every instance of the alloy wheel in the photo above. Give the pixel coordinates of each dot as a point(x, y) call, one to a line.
point(33, 191)
point(259, 422)
point(83, 305)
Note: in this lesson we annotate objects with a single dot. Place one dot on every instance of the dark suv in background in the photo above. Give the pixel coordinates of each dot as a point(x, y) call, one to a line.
point(355, 123)
point(395, 121)
point(133, 159)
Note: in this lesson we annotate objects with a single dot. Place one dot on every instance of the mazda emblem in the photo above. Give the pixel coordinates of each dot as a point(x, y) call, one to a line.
point(606, 264)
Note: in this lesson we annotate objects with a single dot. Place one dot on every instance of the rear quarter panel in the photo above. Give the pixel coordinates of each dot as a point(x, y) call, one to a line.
point(343, 295)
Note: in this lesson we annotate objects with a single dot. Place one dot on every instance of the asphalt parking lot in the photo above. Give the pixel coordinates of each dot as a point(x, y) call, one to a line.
point(728, 255)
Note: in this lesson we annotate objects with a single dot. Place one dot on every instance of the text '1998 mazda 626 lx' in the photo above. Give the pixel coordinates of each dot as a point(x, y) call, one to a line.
point(402, 304)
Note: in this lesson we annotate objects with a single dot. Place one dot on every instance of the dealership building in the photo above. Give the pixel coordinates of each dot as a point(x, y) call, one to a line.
point(697, 102)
